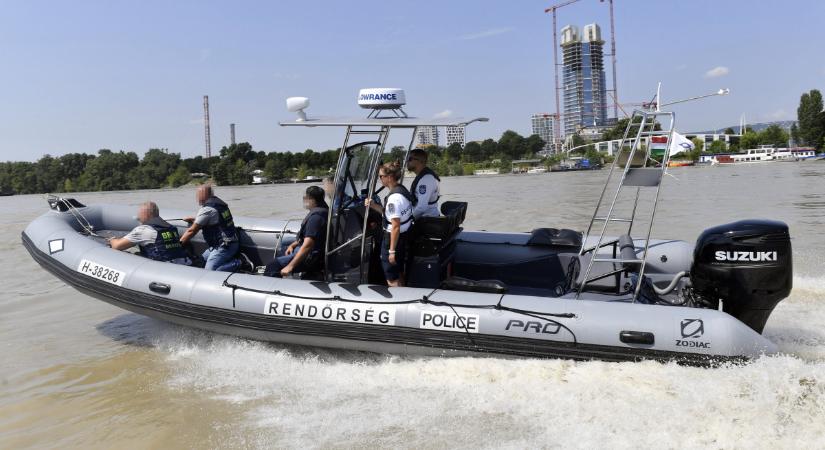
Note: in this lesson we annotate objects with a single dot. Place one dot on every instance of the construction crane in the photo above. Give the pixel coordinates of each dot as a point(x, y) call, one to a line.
point(553, 9)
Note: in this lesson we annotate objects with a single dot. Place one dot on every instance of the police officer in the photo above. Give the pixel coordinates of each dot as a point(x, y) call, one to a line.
point(425, 186)
point(215, 219)
point(398, 217)
point(155, 237)
point(310, 242)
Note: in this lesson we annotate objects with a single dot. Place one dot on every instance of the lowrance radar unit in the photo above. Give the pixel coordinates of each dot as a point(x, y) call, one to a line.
point(382, 99)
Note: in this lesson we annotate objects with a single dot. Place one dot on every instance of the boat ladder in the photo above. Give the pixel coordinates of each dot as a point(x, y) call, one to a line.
point(640, 184)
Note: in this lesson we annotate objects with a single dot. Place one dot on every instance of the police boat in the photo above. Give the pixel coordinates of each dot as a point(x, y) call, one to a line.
point(611, 292)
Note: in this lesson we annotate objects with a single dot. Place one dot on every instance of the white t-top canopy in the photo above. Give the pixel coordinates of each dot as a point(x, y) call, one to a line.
point(395, 122)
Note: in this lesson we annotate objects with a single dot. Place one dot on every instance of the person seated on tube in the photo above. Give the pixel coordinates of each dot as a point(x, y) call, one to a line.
point(155, 237)
point(397, 221)
point(306, 254)
point(215, 220)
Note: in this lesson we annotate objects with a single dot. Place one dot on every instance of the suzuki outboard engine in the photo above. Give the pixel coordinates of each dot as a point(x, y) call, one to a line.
point(747, 265)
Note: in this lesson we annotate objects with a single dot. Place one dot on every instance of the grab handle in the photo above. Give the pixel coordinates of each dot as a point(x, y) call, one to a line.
point(637, 337)
point(160, 288)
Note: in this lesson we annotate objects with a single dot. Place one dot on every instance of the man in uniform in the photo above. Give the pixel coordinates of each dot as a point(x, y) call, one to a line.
point(425, 187)
point(215, 219)
point(155, 237)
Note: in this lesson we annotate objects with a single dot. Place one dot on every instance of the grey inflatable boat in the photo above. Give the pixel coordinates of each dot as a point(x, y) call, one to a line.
point(548, 293)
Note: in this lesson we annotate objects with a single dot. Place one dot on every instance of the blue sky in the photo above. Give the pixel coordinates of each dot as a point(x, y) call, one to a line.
point(79, 76)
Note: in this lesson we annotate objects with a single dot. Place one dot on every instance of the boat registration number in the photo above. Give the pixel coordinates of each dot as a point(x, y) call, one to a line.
point(101, 272)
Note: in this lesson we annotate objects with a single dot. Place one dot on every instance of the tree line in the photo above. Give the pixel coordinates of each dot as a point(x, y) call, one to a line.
point(109, 170)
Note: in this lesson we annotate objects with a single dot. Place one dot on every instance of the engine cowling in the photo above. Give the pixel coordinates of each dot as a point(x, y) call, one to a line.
point(747, 265)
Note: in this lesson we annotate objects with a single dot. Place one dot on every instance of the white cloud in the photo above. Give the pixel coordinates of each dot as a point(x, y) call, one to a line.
point(443, 114)
point(485, 34)
point(779, 114)
point(718, 71)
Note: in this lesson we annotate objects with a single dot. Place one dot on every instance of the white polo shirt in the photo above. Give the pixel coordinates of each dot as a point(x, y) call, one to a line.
point(426, 194)
point(398, 207)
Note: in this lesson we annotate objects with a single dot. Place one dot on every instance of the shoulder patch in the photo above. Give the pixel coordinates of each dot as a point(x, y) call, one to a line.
point(422, 189)
point(391, 208)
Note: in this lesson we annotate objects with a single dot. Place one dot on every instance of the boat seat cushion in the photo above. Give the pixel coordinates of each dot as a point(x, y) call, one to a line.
point(466, 284)
point(555, 237)
point(458, 210)
point(437, 228)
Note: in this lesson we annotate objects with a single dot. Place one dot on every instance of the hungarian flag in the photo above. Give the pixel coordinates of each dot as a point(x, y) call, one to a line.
point(678, 144)
point(658, 145)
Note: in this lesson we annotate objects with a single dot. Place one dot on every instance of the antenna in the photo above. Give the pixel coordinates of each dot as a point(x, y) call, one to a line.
point(232, 133)
point(206, 126)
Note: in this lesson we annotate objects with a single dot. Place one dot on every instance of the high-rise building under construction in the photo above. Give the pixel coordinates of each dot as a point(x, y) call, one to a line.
point(583, 78)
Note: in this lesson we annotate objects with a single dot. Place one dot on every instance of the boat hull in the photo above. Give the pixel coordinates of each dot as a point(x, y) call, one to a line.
point(460, 323)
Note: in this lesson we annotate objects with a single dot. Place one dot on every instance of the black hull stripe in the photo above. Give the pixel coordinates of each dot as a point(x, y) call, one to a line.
point(225, 320)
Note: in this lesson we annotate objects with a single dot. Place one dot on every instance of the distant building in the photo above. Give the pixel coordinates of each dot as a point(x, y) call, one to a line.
point(427, 136)
point(583, 78)
point(455, 135)
point(546, 127)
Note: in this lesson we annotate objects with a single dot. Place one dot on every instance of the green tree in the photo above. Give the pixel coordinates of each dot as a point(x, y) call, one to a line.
point(275, 169)
point(396, 153)
point(811, 119)
point(696, 153)
point(489, 149)
point(155, 168)
point(617, 132)
point(473, 152)
point(512, 144)
point(774, 135)
point(452, 154)
point(749, 140)
point(729, 130)
point(717, 147)
point(109, 171)
point(533, 144)
point(179, 177)
point(795, 134)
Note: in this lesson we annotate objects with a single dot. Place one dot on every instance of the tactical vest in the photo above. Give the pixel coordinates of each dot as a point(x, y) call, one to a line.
point(166, 246)
point(398, 189)
point(414, 187)
point(224, 232)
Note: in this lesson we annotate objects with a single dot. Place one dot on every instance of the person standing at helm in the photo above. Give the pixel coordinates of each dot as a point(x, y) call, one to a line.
point(219, 232)
point(155, 237)
point(425, 186)
point(398, 218)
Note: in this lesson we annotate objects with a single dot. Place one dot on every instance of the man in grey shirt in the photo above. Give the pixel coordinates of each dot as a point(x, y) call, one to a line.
point(155, 237)
point(215, 220)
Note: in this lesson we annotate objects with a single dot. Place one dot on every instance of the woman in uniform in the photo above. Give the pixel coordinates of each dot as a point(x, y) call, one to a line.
point(398, 218)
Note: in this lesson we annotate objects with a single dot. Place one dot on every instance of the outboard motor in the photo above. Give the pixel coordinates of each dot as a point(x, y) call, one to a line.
point(747, 265)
